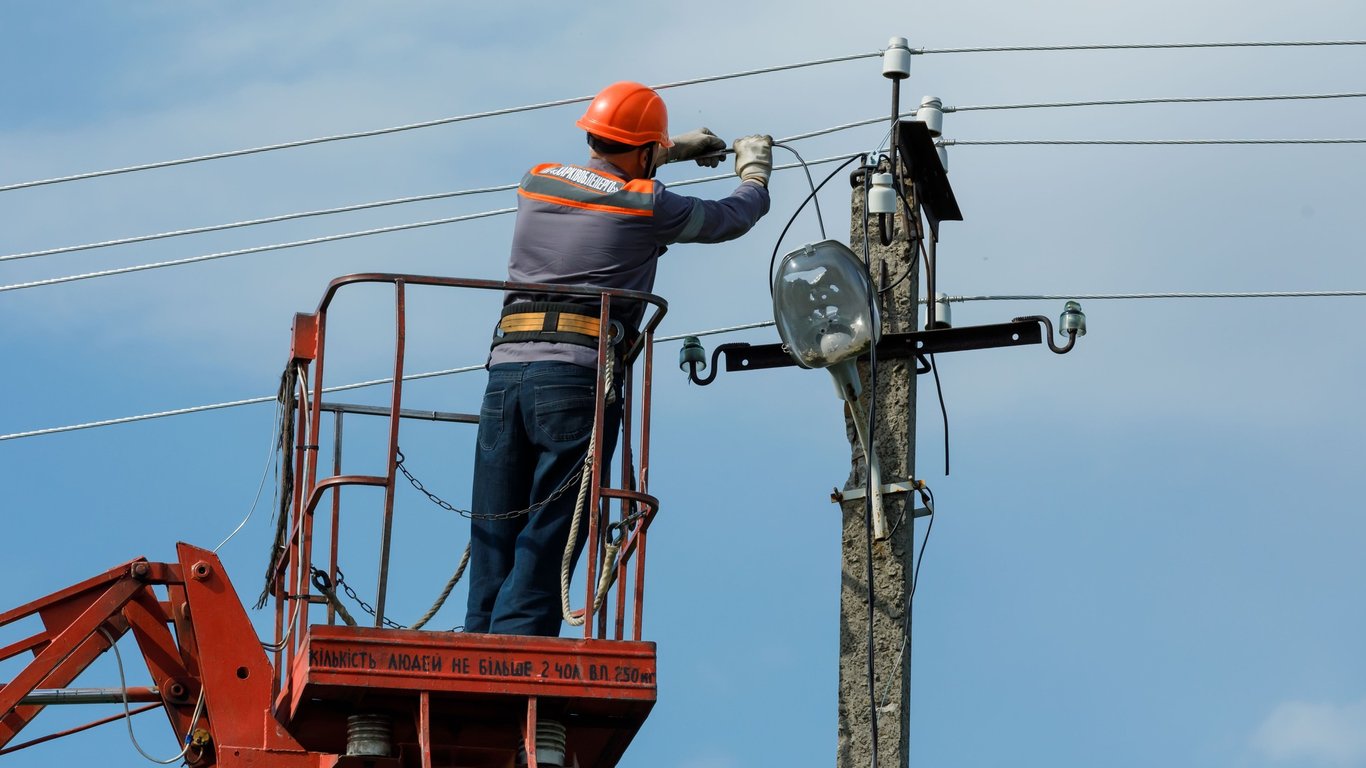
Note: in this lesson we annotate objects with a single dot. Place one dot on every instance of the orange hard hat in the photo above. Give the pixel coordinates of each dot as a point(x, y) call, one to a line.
point(628, 113)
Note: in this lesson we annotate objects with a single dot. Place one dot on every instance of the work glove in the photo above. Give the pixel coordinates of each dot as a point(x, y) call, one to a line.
point(693, 145)
point(754, 158)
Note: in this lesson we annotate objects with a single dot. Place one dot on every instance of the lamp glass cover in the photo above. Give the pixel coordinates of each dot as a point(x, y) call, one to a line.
point(820, 303)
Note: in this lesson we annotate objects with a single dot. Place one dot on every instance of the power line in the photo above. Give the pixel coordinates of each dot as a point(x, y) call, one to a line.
point(797, 137)
point(712, 332)
point(256, 249)
point(330, 238)
point(414, 126)
point(715, 331)
point(326, 390)
point(676, 84)
point(1187, 295)
point(1133, 47)
point(1136, 142)
point(256, 222)
point(382, 203)
point(1168, 100)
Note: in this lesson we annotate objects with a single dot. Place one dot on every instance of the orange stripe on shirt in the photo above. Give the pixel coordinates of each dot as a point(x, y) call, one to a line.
point(585, 206)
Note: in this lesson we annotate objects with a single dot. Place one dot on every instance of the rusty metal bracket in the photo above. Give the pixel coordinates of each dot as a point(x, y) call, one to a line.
point(838, 496)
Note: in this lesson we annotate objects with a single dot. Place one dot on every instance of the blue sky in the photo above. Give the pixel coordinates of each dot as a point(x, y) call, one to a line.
point(1148, 550)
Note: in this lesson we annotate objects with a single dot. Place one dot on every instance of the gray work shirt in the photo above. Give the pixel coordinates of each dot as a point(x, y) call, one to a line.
point(586, 225)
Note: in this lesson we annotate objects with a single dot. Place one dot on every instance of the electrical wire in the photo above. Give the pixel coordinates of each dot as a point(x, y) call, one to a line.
point(1132, 47)
point(773, 260)
point(309, 241)
point(928, 495)
point(271, 459)
point(713, 332)
point(78, 729)
point(676, 84)
point(128, 716)
point(939, 390)
point(256, 249)
point(231, 404)
point(417, 125)
point(807, 169)
point(1166, 100)
point(1138, 142)
point(929, 301)
point(326, 390)
point(395, 202)
point(259, 221)
point(869, 490)
point(1141, 296)
point(508, 187)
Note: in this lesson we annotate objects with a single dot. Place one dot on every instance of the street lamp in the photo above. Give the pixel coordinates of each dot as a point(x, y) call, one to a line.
point(823, 309)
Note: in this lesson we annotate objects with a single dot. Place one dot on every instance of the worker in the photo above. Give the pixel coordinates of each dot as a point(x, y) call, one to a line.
point(602, 224)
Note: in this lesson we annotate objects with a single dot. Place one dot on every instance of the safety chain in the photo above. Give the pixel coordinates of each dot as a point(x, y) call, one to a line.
point(446, 505)
point(351, 593)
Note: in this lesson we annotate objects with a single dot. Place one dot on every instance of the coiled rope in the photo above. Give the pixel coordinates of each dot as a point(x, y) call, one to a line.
point(610, 550)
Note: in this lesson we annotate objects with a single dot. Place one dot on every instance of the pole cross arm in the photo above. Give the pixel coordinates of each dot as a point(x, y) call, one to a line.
point(1022, 331)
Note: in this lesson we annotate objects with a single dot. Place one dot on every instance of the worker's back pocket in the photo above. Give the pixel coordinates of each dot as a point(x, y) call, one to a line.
point(564, 412)
point(491, 419)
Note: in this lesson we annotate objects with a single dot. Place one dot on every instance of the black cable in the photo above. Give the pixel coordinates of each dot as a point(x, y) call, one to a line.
point(934, 367)
point(774, 258)
point(919, 558)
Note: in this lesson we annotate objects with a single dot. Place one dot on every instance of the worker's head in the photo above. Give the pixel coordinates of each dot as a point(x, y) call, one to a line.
point(628, 125)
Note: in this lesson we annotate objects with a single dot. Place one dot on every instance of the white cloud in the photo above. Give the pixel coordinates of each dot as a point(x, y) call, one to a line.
point(1328, 734)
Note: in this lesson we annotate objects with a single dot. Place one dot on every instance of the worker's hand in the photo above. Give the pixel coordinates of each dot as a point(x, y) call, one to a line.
point(754, 158)
point(694, 145)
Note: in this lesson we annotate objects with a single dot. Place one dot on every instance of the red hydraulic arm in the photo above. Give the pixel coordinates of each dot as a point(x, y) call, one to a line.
point(210, 625)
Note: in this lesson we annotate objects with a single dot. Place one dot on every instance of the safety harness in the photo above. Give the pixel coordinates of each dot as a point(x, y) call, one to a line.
point(555, 321)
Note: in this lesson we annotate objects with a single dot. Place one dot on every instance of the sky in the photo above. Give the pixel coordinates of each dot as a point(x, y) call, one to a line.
point(1147, 551)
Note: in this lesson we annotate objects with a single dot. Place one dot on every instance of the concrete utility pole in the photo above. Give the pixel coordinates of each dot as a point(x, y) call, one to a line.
point(893, 436)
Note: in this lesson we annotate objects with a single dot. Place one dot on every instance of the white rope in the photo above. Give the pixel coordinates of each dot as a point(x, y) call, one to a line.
point(445, 593)
point(609, 553)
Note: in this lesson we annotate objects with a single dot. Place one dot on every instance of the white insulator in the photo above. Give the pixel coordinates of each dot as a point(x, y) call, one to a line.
point(943, 316)
point(931, 113)
point(943, 153)
point(882, 198)
point(896, 60)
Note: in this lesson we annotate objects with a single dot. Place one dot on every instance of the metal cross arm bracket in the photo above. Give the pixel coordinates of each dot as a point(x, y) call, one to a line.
point(888, 489)
point(918, 344)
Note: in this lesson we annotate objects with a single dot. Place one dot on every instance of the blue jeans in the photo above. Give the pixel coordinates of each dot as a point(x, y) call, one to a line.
point(534, 427)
